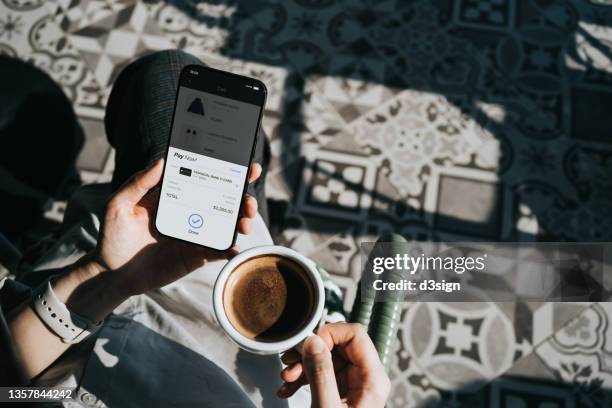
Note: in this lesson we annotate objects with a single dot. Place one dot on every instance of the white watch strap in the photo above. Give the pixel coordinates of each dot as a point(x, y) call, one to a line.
point(68, 326)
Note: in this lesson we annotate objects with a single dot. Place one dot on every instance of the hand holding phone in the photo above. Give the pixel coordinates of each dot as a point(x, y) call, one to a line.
point(212, 141)
point(138, 260)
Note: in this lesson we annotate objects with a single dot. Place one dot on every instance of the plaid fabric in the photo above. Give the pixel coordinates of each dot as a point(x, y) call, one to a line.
point(139, 116)
point(334, 311)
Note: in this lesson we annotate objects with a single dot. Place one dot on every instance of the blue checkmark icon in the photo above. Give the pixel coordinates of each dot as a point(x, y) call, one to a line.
point(195, 220)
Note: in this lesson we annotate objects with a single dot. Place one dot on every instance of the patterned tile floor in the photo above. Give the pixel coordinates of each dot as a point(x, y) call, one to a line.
point(449, 120)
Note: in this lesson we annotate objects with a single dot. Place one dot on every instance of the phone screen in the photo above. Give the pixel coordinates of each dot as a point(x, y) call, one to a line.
point(212, 140)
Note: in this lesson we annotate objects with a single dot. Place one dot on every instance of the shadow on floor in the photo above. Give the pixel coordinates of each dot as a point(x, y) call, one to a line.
point(529, 76)
point(40, 140)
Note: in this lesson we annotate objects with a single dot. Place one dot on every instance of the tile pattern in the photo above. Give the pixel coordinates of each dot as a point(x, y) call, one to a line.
point(465, 345)
point(445, 120)
point(109, 43)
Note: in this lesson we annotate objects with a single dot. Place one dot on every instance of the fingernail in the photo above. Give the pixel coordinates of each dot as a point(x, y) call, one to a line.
point(155, 163)
point(282, 390)
point(289, 367)
point(314, 345)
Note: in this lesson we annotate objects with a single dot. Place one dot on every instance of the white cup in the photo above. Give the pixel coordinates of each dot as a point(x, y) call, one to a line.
point(261, 347)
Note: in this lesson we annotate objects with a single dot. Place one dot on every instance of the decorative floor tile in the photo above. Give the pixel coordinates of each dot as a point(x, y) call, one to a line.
point(224, 31)
point(530, 366)
point(96, 151)
point(56, 211)
point(530, 66)
point(90, 97)
point(50, 49)
point(355, 79)
point(571, 209)
point(308, 32)
point(588, 112)
point(287, 145)
point(275, 79)
point(307, 233)
point(67, 69)
point(314, 112)
point(336, 253)
point(72, 15)
point(591, 35)
point(195, 28)
point(252, 42)
point(579, 355)
point(511, 391)
point(388, 203)
point(417, 131)
point(420, 47)
point(348, 287)
point(459, 345)
point(482, 14)
point(337, 186)
point(35, 37)
point(477, 211)
point(410, 386)
point(299, 122)
point(15, 24)
point(301, 106)
point(23, 5)
point(443, 120)
point(370, 12)
point(105, 175)
point(535, 322)
point(110, 43)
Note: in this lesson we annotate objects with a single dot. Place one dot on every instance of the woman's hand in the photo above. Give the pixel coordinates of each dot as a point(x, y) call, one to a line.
point(342, 367)
point(131, 257)
point(130, 247)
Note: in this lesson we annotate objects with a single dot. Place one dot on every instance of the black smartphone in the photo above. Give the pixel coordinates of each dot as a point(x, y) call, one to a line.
point(212, 141)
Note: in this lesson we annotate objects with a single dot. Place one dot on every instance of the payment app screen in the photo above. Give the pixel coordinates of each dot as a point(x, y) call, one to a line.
point(208, 157)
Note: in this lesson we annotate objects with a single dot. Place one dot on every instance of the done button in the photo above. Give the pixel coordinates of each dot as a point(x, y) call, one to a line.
point(195, 221)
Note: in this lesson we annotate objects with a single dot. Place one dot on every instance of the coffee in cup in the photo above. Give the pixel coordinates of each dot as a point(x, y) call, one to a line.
point(268, 299)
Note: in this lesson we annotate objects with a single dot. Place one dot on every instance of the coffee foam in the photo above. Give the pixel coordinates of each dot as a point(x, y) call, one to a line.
point(268, 298)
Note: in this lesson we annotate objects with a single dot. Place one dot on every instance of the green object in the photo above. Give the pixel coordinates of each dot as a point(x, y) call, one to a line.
point(380, 318)
point(362, 309)
point(384, 323)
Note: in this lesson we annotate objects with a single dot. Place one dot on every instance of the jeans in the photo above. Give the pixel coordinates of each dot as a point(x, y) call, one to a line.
point(139, 114)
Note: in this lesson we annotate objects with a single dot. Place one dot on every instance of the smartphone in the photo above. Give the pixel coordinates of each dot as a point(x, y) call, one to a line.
point(212, 141)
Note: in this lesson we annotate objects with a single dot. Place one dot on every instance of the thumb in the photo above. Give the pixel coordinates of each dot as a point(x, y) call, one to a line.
point(319, 371)
point(136, 187)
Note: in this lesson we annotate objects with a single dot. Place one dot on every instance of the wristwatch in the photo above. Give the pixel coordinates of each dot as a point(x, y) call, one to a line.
point(68, 326)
